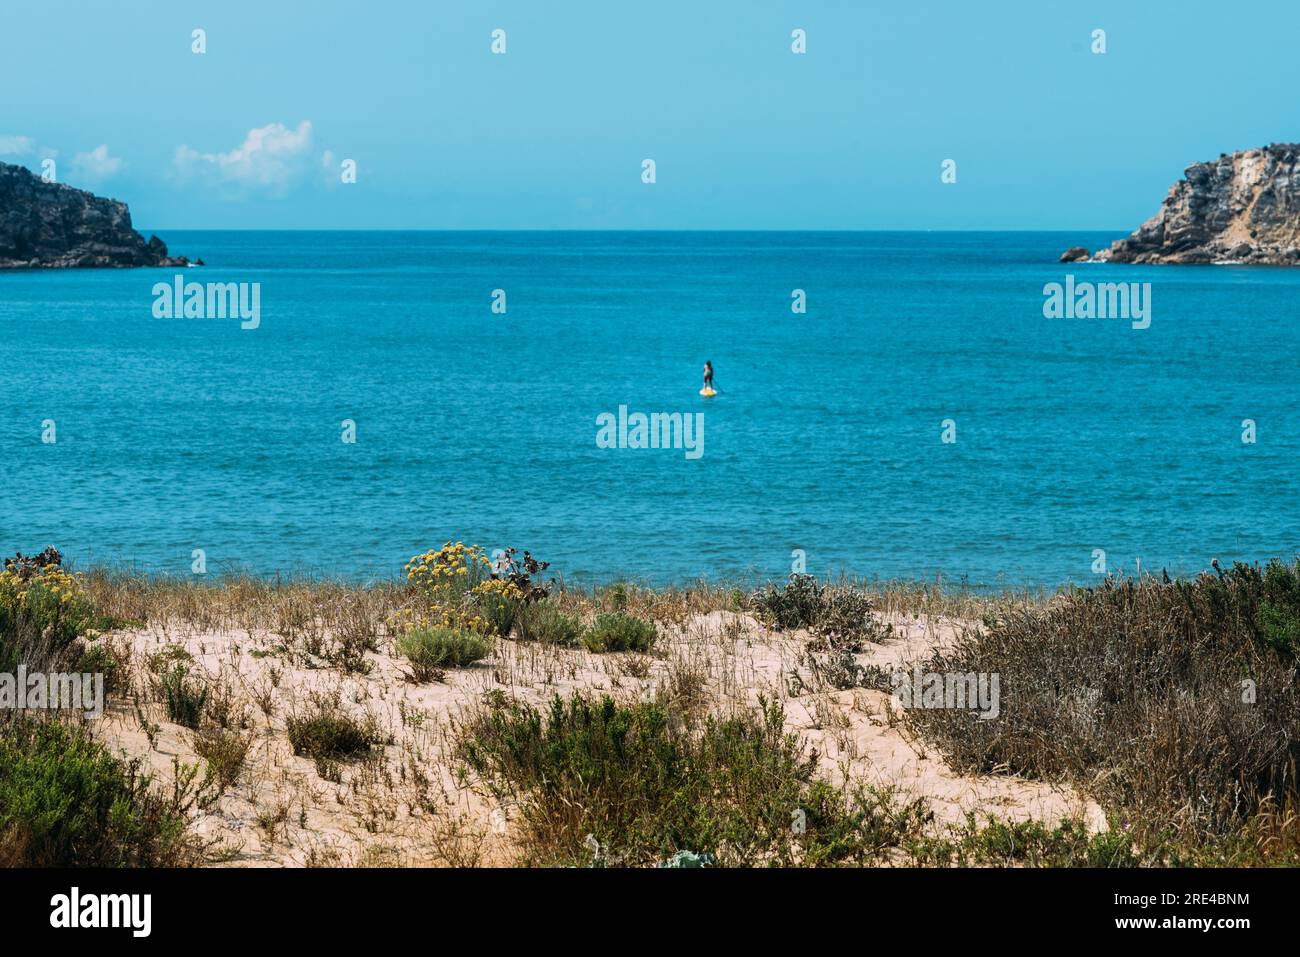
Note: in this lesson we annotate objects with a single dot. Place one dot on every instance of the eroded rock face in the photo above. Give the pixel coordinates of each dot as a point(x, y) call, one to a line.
point(1241, 208)
point(50, 226)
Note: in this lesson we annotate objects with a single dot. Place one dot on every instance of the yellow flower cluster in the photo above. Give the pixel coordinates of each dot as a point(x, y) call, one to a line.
point(455, 560)
point(62, 586)
point(497, 588)
point(445, 616)
point(448, 582)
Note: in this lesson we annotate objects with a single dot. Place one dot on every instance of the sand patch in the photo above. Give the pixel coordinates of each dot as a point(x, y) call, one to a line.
point(410, 802)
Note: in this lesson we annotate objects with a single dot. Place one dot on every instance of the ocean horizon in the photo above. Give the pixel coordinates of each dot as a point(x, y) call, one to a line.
point(922, 418)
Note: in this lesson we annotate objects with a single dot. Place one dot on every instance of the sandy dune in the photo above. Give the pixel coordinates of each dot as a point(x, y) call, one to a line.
point(412, 807)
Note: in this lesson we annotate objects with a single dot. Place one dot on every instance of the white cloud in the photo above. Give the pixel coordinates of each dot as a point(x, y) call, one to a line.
point(95, 166)
point(16, 145)
point(271, 158)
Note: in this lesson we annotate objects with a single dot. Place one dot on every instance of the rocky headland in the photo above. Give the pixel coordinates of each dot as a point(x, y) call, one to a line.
point(53, 226)
point(1243, 208)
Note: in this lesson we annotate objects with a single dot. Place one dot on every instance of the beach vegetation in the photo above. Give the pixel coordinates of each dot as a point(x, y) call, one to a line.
point(327, 733)
point(445, 575)
point(995, 843)
point(632, 785)
point(498, 601)
point(545, 622)
point(43, 612)
point(617, 631)
point(524, 574)
point(430, 650)
point(840, 616)
point(183, 697)
point(225, 750)
point(798, 603)
point(1174, 703)
point(65, 801)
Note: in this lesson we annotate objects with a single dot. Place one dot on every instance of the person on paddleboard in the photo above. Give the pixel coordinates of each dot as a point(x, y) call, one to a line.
point(708, 377)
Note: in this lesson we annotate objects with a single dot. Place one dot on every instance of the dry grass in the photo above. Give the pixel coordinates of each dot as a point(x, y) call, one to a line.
point(300, 610)
point(1185, 781)
point(1175, 703)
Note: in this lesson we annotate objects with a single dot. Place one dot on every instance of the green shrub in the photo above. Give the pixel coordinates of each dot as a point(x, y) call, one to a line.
point(1028, 844)
point(1278, 619)
point(331, 736)
point(498, 610)
point(620, 632)
point(626, 785)
point(846, 621)
point(429, 650)
point(327, 733)
point(95, 658)
point(184, 699)
point(616, 596)
point(841, 670)
point(43, 611)
point(544, 621)
point(797, 604)
point(225, 750)
point(1174, 702)
point(840, 618)
point(1280, 628)
point(66, 802)
point(162, 660)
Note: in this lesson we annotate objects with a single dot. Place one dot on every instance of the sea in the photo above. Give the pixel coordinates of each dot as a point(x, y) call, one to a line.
point(891, 405)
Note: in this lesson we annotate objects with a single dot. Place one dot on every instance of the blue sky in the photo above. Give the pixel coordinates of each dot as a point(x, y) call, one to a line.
point(745, 134)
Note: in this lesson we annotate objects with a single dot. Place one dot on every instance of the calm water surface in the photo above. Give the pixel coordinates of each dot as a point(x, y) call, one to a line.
point(1071, 435)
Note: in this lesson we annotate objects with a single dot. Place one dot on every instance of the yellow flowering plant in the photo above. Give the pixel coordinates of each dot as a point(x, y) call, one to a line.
point(456, 586)
point(40, 605)
point(498, 599)
point(451, 571)
point(437, 615)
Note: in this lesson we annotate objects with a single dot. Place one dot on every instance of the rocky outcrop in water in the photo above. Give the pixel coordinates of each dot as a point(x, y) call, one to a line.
point(50, 226)
point(1241, 208)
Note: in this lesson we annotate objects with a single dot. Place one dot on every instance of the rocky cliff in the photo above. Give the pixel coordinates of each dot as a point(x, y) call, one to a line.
point(49, 225)
point(1243, 208)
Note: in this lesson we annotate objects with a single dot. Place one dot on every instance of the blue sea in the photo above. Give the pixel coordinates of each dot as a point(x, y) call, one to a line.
point(1072, 435)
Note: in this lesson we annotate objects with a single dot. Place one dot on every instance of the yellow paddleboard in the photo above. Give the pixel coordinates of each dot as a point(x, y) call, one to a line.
point(706, 392)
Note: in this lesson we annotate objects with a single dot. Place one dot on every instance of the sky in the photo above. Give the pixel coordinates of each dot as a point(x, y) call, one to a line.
point(552, 134)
